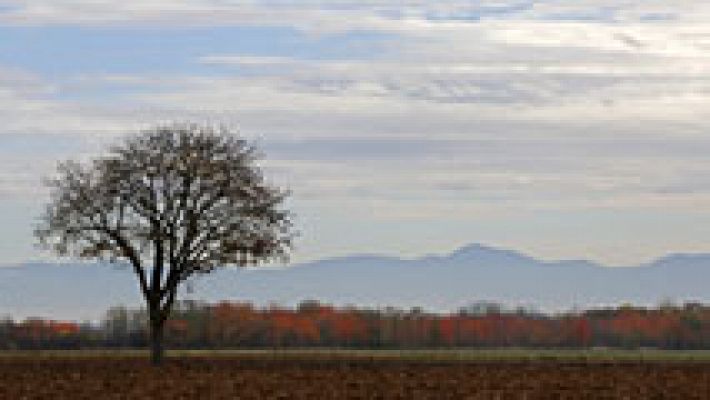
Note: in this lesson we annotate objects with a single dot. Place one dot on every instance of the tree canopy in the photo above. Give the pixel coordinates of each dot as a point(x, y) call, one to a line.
point(172, 201)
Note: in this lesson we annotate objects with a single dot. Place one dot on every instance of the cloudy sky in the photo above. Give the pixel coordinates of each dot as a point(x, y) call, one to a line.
point(559, 128)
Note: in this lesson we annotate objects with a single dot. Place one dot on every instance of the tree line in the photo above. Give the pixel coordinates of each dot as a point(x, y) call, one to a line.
point(225, 325)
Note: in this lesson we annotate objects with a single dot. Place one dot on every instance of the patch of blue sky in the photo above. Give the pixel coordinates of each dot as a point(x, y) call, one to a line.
point(479, 12)
point(601, 14)
point(6, 8)
point(62, 54)
point(64, 51)
point(108, 93)
point(506, 9)
point(658, 17)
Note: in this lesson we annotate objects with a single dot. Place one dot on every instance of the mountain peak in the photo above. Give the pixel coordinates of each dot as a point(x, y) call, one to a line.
point(474, 248)
point(477, 251)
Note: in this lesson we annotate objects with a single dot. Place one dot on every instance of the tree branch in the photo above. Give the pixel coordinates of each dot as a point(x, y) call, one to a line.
point(132, 255)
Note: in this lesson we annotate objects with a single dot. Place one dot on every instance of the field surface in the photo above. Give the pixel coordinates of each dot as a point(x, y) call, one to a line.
point(355, 375)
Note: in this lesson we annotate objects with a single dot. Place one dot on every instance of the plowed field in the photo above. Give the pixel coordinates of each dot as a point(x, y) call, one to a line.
point(253, 378)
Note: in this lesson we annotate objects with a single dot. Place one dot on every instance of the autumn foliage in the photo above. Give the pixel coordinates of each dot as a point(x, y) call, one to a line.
point(312, 324)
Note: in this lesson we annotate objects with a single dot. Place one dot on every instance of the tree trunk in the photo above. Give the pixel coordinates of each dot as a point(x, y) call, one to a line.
point(157, 350)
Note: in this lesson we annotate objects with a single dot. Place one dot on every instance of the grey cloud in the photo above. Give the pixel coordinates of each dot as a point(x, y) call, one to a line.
point(350, 149)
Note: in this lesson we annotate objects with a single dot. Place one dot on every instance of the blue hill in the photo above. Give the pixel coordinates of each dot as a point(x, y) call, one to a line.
point(436, 283)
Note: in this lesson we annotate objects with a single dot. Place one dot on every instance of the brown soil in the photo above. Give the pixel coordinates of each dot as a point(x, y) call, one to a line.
point(231, 378)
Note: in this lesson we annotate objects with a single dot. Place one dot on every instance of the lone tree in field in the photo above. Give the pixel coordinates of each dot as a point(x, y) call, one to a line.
point(172, 202)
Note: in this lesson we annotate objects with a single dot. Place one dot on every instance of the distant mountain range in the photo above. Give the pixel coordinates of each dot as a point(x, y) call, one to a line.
point(436, 283)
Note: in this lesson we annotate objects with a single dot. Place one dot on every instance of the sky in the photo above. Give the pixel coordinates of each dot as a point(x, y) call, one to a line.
point(563, 129)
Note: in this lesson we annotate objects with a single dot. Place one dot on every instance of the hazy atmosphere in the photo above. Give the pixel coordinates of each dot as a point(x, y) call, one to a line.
point(559, 129)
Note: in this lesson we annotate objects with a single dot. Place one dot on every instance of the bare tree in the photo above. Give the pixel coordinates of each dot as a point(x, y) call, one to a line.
point(172, 201)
